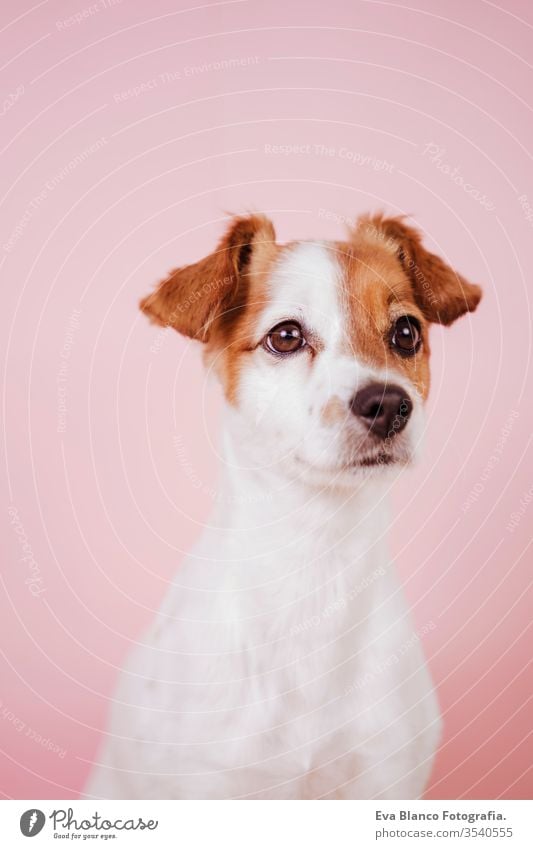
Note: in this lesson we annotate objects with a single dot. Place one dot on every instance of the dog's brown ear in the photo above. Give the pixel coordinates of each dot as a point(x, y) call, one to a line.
point(441, 293)
point(191, 298)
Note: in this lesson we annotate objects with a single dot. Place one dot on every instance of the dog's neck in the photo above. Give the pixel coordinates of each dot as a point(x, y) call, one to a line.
point(267, 506)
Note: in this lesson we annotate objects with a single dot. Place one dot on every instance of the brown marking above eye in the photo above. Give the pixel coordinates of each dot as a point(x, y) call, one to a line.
point(285, 338)
point(375, 293)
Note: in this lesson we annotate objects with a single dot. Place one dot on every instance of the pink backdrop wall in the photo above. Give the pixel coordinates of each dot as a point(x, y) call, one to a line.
point(127, 132)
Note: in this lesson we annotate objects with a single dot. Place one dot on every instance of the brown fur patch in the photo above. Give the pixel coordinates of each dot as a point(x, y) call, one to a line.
point(233, 338)
point(387, 273)
point(375, 292)
point(334, 411)
point(441, 293)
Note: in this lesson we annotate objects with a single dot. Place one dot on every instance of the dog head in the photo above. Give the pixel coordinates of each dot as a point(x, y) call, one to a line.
point(322, 348)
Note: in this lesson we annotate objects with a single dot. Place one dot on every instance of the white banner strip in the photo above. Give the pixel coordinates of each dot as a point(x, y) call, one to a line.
point(264, 825)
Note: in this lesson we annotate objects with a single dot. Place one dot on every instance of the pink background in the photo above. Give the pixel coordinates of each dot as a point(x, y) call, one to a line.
point(106, 505)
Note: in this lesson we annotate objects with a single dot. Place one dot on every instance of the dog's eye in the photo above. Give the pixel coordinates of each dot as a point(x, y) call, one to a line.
point(406, 337)
point(285, 338)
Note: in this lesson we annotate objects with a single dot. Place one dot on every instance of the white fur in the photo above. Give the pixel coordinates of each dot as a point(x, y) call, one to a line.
point(277, 666)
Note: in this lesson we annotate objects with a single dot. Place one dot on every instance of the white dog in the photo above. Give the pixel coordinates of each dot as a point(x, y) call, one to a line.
point(282, 664)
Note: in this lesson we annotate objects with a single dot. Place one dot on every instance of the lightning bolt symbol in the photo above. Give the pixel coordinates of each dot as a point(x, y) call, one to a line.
point(33, 820)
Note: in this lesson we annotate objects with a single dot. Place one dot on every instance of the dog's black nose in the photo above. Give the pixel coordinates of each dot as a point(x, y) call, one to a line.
point(384, 409)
